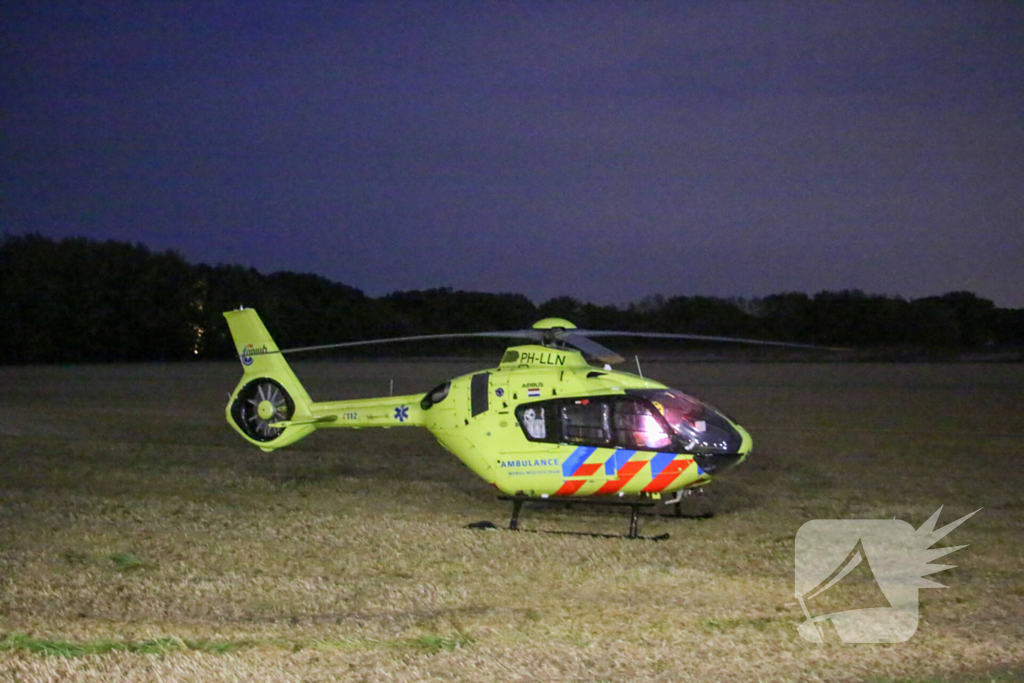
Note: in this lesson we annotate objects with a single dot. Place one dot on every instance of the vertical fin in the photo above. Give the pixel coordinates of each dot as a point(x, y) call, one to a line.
point(263, 364)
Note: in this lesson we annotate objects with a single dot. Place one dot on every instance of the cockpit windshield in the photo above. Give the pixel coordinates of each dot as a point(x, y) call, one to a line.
point(697, 425)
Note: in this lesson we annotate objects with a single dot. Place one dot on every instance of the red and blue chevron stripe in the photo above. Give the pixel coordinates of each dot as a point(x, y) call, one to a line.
point(665, 469)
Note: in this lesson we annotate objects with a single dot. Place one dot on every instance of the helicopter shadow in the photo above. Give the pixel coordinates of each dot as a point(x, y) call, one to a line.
point(490, 526)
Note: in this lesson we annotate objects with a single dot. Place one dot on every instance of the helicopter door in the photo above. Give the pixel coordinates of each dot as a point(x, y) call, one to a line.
point(479, 391)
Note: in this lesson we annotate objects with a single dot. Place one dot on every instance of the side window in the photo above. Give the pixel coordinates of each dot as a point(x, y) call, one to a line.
point(603, 421)
point(479, 391)
point(586, 421)
point(532, 420)
point(540, 421)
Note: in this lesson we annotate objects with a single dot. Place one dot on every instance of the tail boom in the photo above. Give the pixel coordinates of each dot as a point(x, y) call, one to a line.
point(271, 409)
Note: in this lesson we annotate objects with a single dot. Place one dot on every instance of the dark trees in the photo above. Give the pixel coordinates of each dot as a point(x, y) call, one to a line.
point(78, 300)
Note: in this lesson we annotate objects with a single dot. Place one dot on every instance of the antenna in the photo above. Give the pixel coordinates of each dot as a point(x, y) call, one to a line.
point(638, 370)
point(391, 389)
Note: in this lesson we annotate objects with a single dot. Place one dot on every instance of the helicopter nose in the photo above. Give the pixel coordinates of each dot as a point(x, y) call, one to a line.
point(716, 463)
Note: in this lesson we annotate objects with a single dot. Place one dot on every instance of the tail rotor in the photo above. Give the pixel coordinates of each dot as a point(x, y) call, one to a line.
point(259, 405)
point(269, 407)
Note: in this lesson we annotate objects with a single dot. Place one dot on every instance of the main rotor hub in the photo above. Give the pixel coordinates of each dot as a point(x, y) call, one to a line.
point(553, 324)
point(551, 327)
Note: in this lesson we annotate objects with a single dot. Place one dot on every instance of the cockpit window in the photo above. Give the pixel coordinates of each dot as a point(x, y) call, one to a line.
point(681, 411)
point(697, 425)
point(656, 420)
point(637, 426)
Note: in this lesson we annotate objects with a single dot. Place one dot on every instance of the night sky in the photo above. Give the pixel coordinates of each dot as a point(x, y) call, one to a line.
point(602, 150)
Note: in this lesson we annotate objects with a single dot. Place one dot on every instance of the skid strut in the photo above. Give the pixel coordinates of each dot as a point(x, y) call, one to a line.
point(517, 505)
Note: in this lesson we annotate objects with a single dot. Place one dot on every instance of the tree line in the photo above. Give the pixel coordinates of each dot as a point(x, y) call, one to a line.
point(77, 300)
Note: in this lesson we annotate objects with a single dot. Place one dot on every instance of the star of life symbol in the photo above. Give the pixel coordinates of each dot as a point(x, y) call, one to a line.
point(889, 552)
point(402, 413)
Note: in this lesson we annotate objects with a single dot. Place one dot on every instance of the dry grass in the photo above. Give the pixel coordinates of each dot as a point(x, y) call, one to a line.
point(141, 540)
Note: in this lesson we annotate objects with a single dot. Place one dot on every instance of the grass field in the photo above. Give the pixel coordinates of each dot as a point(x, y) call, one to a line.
point(141, 539)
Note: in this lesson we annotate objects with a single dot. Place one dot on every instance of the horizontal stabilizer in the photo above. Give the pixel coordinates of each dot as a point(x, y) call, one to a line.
point(310, 421)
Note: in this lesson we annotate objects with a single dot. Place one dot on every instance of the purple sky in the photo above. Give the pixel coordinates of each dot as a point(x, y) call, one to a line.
point(603, 150)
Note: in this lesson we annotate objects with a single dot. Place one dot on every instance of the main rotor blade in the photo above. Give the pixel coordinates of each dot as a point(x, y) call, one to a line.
point(514, 334)
point(575, 338)
point(700, 337)
point(590, 347)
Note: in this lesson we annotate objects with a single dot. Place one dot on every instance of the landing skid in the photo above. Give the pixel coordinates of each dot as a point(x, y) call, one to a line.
point(659, 537)
point(634, 505)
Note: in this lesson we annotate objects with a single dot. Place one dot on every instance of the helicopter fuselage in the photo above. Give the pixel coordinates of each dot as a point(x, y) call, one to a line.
point(543, 423)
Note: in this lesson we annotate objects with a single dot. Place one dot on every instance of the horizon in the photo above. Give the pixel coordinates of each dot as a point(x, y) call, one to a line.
point(536, 302)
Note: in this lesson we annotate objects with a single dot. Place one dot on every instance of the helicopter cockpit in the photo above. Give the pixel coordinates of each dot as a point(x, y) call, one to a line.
point(641, 419)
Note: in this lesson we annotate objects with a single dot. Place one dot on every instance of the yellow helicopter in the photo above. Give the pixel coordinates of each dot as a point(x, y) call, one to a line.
point(543, 425)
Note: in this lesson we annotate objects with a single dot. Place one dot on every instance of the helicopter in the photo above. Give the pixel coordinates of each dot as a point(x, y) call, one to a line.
point(544, 425)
